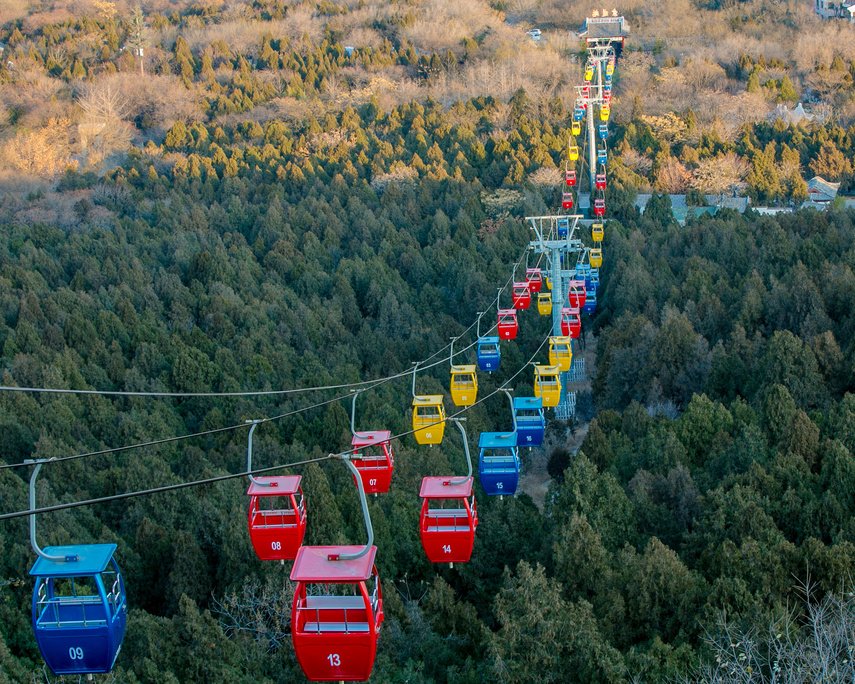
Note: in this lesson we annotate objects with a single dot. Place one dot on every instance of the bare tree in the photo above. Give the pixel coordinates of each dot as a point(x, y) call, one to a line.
point(672, 176)
point(718, 175)
point(816, 645)
point(262, 612)
point(102, 128)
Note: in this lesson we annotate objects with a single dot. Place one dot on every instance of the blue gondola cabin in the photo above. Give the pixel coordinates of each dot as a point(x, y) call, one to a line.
point(498, 463)
point(591, 302)
point(488, 353)
point(79, 609)
point(530, 421)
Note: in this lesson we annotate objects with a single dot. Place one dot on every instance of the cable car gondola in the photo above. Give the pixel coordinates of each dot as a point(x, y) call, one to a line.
point(544, 303)
point(591, 301)
point(372, 455)
point(449, 514)
point(534, 278)
point(337, 610)
point(428, 416)
point(529, 421)
point(277, 511)
point(464, 385)
point(547, 385)
point(567, 200)
point(79, 608)
point(277, 516)
point(570, 177)
point(597, 232)
point(576, 293)
point(464, 381)
point(428, 419)
point(571, 323)
point(521, 295)
point(488, 353)
point(599, 207)
point(498, 463)
point(561, 352)
point(507, 324)
point(563, 227)
point(596, 257)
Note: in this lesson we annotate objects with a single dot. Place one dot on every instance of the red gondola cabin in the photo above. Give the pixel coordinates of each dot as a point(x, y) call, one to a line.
point(571, 322)
point(374, 459)
point(448, 520)
point(599, 208)
point(508, 326)
point(570, 177)
point(576, 293)
point(521, 296)
point(600, 181)
point(277, 516)
point(336, 614)
point(534, 278)
point(567, 200)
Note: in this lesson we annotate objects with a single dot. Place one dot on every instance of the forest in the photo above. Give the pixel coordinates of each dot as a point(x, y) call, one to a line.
point(716, 475)
point(704, 531)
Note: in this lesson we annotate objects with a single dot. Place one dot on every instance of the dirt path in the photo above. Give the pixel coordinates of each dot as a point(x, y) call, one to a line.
point(535, 480)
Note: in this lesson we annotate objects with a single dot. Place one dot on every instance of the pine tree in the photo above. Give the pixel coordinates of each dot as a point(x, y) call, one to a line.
point(138, 37)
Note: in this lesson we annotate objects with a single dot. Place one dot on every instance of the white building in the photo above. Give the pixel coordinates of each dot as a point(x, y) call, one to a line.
point(831, 9)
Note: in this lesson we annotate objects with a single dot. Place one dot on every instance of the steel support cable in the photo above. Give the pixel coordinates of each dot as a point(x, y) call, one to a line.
point(253, 393)
point(178, 438)
point(371, 384)
point(158, 490)
point(246, 473)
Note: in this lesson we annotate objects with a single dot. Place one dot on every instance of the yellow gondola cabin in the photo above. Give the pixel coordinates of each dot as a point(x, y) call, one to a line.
point(428, 418)
point(464, 385)
point(561, 352)
point(547, 385)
